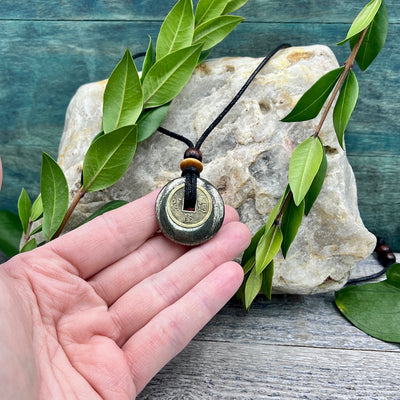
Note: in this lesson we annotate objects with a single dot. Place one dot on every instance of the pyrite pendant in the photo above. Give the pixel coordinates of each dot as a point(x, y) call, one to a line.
point(185, 226)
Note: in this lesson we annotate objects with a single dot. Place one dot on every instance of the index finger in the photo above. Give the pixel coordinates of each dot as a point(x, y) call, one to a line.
point(104, 240)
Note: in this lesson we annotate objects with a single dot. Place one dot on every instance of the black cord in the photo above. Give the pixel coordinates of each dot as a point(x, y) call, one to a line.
point(190, 173)
point(368, 277)
point(176, 136)
point(383, 251)
point(225, 111)
point(138, 55)
point(385, 256)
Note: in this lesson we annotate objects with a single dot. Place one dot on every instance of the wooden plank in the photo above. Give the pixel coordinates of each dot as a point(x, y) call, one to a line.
point(303, 11)
point(311, 321)
point(208, 370)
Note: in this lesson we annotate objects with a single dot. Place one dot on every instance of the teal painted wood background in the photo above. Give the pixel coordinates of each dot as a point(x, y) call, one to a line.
point(49, 48)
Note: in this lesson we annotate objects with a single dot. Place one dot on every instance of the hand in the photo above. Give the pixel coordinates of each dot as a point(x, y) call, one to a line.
point(96, 313)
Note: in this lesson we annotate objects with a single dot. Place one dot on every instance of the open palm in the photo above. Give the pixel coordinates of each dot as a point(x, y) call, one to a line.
point(96, 313)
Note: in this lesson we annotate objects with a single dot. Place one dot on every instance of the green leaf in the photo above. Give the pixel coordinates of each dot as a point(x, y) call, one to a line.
point(249, 265)
point(123, 97)
point(374, 307)
point(215, 30)
point(268, 275)
point(252, 288)
point(150, 120)
point(393, 275)
point(250, 251)
point(303, 167)
point(108, 158)
point(55, 196)
point(10, 232)
point(209, 9)
point(268, 247)
point(112, 205)
point(311, 102)
point(24, 210)
point(97, 136)
point(176, 32)
point(275, 211)
point(149, 59)
point(363, 19)
point(203, 56)
point(37, 208)
point(29, 246)
point(167, 77)
point(37, 230)
point(345, 105)
point(317, 184)
point(374, 39)
point(240, 292)
point(291, 220)
point(234, 5)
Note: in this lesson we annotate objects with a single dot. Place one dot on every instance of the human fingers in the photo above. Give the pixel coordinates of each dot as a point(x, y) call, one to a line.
point(107, 238)
point(145, 300)
point(171, 330)
point(151, 257)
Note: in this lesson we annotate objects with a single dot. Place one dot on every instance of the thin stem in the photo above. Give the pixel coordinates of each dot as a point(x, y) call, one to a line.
point(80, 193)
point(348, 65)
point(283, 207)
point(26, 237)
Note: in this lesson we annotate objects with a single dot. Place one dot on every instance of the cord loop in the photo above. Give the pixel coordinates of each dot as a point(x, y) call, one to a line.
point(190, 174)
point(191, 170)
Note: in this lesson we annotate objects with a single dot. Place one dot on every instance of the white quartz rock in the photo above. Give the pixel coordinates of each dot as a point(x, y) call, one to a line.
point(246, 157)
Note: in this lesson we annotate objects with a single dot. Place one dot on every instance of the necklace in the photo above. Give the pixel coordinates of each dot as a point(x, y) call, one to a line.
point(189, 209)
point(386, 258)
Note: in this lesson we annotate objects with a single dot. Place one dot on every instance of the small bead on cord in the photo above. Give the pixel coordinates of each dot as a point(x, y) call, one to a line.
point(192, 169)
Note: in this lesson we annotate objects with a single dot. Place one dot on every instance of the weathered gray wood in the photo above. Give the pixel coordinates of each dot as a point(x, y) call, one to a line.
point(207, 370)
point(312, 321)
point(290, 320)
point(294, 347)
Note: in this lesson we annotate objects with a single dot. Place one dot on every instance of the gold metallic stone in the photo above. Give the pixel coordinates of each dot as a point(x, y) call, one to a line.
point(185, 226)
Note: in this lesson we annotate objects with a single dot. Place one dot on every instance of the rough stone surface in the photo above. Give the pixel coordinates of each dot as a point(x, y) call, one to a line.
point(246, 158)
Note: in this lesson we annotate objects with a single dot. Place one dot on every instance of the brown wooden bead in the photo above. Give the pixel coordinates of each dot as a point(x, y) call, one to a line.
point(383, 248)
point(191, 162)
point(388, 259)
point(192, 152)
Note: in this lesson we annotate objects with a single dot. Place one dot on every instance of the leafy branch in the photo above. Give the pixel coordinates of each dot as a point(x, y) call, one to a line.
point(133, 108)
point(308, 163)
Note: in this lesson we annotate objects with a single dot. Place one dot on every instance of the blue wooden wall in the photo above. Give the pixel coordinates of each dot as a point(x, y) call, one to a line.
point(49, 48)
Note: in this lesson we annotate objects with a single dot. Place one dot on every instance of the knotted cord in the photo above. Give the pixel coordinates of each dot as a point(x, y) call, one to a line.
point(191, 173)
